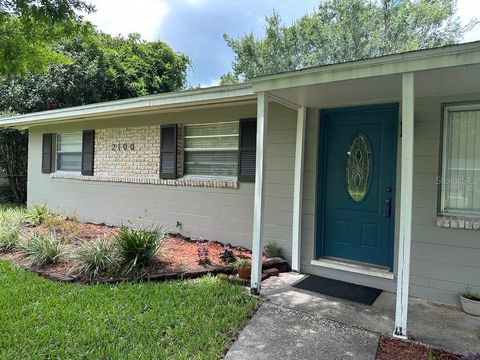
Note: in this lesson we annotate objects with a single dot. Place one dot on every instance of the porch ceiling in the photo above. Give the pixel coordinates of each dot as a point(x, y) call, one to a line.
point(380, 89)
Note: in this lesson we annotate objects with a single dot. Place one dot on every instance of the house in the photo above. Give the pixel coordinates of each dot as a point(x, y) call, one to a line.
point(364, 171)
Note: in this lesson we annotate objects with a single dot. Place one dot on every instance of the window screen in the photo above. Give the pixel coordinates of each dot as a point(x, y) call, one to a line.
point(211, 149)
point(69, 151)
point(461, 160)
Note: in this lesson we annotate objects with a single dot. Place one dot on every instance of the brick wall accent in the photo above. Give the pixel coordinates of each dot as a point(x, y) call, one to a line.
point(128, 152)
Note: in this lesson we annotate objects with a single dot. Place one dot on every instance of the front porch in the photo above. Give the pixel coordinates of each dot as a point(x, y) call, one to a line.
point(435, 324)
point(419, 84)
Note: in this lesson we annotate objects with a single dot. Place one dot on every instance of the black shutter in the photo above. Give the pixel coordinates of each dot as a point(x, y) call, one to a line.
point(88, 149)
point(47, 153)
point(168, 151)
point(247, 147)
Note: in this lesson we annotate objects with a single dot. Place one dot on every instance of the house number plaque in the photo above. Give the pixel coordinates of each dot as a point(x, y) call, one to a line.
point(123, 147)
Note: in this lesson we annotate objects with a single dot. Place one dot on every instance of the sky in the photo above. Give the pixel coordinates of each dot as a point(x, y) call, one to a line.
point(196, 27)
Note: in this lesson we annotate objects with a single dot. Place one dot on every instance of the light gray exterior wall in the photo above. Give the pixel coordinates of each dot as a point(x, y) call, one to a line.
point(443, 261)
point(220, 214)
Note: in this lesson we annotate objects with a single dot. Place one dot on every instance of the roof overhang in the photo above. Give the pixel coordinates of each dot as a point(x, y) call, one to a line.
point(175, 101)
point(419, 60)
point(453, 56)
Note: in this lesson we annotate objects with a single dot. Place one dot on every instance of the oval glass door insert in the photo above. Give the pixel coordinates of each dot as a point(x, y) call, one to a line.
point(358, 167)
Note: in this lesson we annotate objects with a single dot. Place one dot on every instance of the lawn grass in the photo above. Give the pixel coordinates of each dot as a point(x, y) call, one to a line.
point(42, 319)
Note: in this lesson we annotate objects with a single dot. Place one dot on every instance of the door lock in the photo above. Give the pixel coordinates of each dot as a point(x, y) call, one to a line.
point(387, 207)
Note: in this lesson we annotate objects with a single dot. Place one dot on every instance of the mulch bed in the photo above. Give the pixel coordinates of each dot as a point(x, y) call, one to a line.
point(394, 349)
point(178, 257)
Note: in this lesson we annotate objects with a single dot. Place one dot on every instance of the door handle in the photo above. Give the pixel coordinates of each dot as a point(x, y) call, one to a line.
point(387, 207)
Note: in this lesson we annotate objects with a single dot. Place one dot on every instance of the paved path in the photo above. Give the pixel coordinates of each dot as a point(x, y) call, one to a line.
point(276, 332)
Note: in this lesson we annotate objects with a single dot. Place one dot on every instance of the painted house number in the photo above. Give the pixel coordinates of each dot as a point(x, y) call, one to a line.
point(123, 147)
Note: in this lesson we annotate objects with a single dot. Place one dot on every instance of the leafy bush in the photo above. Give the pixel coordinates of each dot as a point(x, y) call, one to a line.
point(137, 248)
point(37, 214)
point(93, 259)
point(272, 249)
point(13, 216)
point(242, 264)
point(43, 250)
point(41, 215)
point(9, 238)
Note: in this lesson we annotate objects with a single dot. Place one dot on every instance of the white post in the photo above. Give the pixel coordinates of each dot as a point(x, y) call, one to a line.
point(258, 220)
point(297, 189)
point(406, 196)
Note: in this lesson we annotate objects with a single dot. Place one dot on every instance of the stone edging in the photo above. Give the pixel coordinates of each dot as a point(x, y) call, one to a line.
point(214, 183)
point(279, 263)
point(453, 222)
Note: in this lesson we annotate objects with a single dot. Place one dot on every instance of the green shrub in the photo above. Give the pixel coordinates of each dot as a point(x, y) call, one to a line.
point(9, 238)
point(242, 264)
point(41, 215)
point(137, 248)
point(97, 258)
point(37, 214)
point(272, 249)
point(43, 250)
point(13, 216)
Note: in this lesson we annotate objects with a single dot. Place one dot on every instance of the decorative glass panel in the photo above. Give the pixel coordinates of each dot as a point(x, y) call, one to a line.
point(358, 168)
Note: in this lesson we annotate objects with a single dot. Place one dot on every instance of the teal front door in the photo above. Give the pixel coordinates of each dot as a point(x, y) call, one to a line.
point(357, 184)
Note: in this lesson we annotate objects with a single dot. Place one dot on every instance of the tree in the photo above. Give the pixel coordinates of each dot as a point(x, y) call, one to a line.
point(346, 30)
point(29, 29)
point(102, 68)
point(13, 161)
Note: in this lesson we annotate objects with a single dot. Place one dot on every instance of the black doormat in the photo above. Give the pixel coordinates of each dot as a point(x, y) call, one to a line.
point(340, 289)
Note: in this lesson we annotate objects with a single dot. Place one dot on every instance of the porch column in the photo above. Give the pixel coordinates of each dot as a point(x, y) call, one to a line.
point(405, 238)
point(258, 218)
point(297, 189)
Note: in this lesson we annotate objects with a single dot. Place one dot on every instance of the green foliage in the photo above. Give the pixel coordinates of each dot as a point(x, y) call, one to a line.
point(346, 30)
point(42, 319)
point(102, 68)
point(13, 216)
point(94, 259)
point(30, 28)
point(13, 161)
point(9, 238)
point(468, 294)
point(137, 248)
point(272, 249)
point(229, 79)
point(43, 250)
point(242, 264)
point(41, 215)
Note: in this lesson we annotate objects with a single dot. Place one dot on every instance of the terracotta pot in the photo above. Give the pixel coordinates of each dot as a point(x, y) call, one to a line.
point(471, 307)
point(244, 273)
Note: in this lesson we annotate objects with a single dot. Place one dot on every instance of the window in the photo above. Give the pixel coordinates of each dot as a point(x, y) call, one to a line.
point(211, 149)
point(460, 185)
point(69, 151)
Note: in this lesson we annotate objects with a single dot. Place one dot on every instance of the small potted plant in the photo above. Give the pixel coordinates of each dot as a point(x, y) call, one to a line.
point(271, 249)
point(243, 269)
point(470, 302)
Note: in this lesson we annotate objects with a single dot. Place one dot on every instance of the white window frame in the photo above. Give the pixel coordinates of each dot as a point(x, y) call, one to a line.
point(57, 170)
point(447, 109)
point(224, 149)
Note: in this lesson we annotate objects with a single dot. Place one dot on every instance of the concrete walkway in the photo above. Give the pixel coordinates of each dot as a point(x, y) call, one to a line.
point(276, 332)
point(298, 324)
